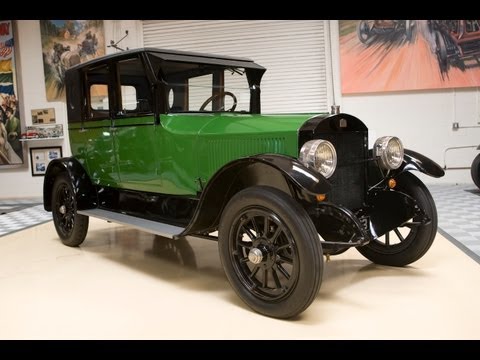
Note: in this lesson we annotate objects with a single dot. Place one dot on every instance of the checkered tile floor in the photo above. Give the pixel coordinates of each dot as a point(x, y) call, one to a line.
point(16, 215)
point(458, 209)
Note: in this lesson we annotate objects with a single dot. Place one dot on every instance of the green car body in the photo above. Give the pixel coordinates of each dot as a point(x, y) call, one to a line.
point(174, 143)
point(181, 153)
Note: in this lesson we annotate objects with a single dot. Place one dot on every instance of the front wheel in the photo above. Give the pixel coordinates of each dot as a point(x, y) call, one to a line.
point(270, 251)
point(71, 227)
point(410, 241)
point(475, 170)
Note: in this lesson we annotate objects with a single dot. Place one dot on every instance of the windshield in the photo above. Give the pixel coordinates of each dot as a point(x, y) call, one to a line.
point(206, 88)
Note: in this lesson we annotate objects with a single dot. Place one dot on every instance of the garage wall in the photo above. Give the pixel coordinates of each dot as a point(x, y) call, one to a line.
point(292, 51)
point(422, 119)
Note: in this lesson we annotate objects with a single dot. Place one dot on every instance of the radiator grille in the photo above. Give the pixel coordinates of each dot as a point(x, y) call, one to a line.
point(348, 181)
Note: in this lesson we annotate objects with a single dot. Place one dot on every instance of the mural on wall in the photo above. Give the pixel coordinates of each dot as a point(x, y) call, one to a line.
point(396, 55)
point(11, 149)
point(66, 43)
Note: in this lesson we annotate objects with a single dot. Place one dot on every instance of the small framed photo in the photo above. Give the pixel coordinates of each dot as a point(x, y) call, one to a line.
point(41, 157)
point(43, 116)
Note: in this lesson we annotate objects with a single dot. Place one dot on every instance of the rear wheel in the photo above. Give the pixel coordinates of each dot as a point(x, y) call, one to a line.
point(71, 227)
point(270, 251)
point(441, 51)
point(475, 170)
point(364, 29)
point(407, 243)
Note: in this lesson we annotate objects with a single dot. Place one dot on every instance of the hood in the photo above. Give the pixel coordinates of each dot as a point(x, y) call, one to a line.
point(206, 141)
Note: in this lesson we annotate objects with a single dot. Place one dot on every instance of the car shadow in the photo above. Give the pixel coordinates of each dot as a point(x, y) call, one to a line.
point(189, 263)
point(195, 264)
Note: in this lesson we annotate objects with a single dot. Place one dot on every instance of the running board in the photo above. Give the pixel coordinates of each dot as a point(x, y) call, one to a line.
point(153, 227)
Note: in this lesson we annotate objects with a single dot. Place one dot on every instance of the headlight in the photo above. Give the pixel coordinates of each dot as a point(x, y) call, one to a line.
point(320, 155)
point(389, 151)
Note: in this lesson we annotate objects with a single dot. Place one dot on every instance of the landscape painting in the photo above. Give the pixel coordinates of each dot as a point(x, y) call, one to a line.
point(398, 55)
point(66, 43)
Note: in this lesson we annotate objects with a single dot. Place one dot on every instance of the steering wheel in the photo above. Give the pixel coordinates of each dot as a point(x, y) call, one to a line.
point(211, 98)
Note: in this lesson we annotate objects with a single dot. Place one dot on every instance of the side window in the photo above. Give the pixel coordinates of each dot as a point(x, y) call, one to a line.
point(97, 92)
point(99, 97)
point(135, 90)
point(129, 97)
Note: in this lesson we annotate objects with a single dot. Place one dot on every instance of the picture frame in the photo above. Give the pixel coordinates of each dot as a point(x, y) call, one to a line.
point(43, 116)
point(40, 157)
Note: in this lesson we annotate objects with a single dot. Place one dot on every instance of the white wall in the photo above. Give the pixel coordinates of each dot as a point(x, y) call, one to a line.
point(421, 119)
point(18, 182)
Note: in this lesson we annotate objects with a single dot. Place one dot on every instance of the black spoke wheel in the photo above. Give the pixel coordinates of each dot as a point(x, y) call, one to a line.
point(409, 29)
point(441, 52)
point(71, 227)
point(475, 170)
point(411, 240)
point(270, 251)
point(364, 29)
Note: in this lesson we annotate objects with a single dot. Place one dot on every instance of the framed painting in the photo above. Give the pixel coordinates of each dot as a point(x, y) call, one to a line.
point(41, 157)
point(66, 43)
point(399, 55)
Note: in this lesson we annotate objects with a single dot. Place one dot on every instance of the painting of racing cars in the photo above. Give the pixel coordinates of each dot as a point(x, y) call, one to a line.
point(399, 55)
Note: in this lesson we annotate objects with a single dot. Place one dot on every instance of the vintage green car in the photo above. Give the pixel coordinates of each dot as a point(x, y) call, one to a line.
point(174, 143)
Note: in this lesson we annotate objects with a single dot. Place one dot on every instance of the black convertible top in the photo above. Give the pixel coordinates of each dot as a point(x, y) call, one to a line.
point(177, 55)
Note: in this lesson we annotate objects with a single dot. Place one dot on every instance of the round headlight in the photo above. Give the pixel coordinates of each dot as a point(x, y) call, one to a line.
point(389, 151)
point(320, 155)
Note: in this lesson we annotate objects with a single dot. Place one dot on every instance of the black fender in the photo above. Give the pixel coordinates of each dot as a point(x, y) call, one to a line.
point(388, 209)
point(416, 161)
point(85, 192)
point(278, 171)
point(411, 161)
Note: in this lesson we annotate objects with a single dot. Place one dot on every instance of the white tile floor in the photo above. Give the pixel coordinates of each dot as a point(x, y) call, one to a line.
point(458, 207)
point(126, 284)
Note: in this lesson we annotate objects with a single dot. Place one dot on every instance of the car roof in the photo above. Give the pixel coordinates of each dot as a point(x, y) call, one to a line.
point(177, 55)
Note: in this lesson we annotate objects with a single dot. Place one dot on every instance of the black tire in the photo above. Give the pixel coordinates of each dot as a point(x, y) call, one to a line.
point(475, 170)
point(71, 227)
point(288, 274)
point(408, 29)
point(417, 238)
point(364, 31)
point(441, 51)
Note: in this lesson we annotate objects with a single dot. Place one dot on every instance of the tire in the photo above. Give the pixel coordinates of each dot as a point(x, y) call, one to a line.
point(441, 51)
point(408, 30)
point(71, 227)
point(475, 171)
point(363, 31)
point(285, 279)
point(409, 246)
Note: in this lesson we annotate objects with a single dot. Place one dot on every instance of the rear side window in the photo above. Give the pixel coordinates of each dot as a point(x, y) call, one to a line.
point(98, 79)
point(99, 97)
point(135, 90)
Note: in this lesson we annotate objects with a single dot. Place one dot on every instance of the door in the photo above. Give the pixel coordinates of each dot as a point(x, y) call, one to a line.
point(97, 131)
point(135, 131)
